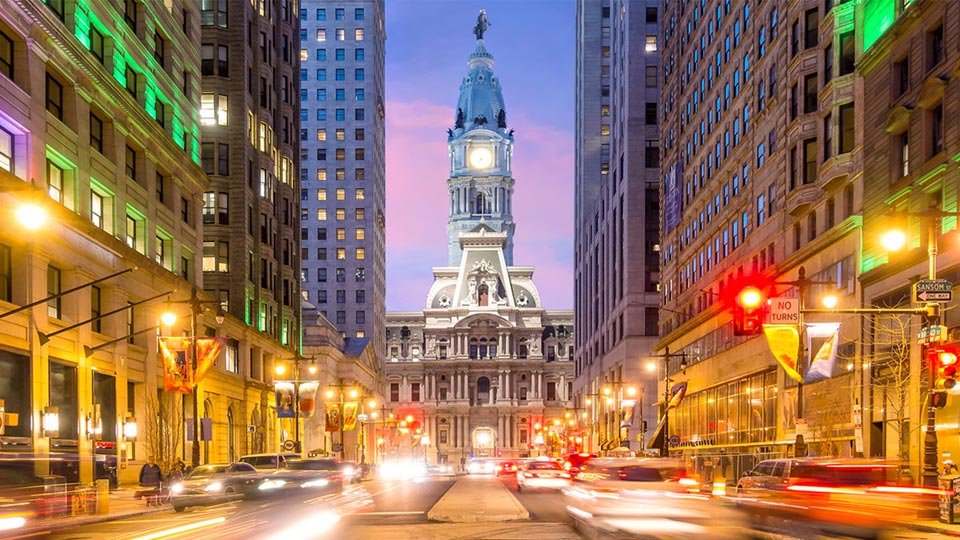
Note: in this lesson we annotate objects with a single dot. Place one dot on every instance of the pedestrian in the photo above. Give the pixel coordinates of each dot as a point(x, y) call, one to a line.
point(950, 468)
point(176, 473)
point(150, 476)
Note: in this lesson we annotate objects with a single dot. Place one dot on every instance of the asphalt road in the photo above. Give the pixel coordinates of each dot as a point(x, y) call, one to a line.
point(545, 506)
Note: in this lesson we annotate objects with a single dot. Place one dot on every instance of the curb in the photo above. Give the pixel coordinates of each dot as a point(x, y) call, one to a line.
point(932, 529)
point(520, 512)
point(89, 520)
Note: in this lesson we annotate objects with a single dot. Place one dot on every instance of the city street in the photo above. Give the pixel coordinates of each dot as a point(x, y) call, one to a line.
point(399, 512)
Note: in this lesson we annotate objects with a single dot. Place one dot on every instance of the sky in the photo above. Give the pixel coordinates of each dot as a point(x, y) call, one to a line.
point(428, 42)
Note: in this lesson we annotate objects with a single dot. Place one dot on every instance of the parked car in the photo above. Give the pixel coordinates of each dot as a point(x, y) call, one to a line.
point(442, 469)
point(269, 462)
point(542, 474)
point(652, 498)
point(861, 498)
point(213, 484)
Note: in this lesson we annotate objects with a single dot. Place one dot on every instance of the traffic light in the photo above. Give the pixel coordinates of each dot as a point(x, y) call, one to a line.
point(748, 312)
point(945, 361)
point(938, 399)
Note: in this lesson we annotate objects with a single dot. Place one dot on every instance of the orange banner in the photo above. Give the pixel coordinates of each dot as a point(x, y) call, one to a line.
point(332, 411)
point(784, 342)
point(208, 350)
point(350, 415)
point(175, 353)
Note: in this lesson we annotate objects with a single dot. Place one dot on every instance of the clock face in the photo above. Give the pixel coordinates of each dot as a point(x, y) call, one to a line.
point(481, 158)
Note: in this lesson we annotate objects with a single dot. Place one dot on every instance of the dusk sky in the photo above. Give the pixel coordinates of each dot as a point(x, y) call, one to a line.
point(428, 42)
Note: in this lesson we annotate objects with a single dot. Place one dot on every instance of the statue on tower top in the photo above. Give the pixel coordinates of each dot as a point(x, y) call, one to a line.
point(482, 24)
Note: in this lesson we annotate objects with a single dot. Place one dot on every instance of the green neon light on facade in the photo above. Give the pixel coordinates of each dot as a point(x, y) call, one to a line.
point(878, 16)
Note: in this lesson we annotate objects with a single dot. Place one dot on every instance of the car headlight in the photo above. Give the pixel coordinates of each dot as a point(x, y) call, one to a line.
point(8, 523)
point(176, 488)
point(319, 482)
point(267, 485)
point(215, 486)
point(348, 471)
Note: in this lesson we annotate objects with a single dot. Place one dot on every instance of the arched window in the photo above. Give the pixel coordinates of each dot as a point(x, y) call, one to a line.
point(207, 413)
point(474, 348)
point(483, 348)
point(483, 295)
point(480, 206)
point(231, 436)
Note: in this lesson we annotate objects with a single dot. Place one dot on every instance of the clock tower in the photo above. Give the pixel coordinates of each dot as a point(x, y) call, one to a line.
point(481, 148)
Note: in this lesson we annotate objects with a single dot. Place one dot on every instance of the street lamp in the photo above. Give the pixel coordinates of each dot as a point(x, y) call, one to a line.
point(169, 318)
point(664, 424)
point(280, 370)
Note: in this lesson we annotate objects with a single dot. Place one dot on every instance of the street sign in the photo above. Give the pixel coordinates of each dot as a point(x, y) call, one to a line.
point(362, 417)
point(932, 290)
point(674, 440)
point(784, 310)
point(289, 445)
point(931, 334)
point(858, 428)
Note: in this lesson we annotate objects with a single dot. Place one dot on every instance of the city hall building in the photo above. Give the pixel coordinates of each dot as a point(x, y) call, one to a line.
point(483, 369)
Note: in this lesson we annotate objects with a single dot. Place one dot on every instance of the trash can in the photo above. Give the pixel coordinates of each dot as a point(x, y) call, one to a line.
point(54, 502)
point(949, 499)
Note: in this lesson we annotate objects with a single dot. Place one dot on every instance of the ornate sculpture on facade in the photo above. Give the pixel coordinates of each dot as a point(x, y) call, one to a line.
point(534, 342)
point(522, 299)
point(502, 118)
point(430, 349)
point(459, 123)
point(480, 121)
point(482, 24)
point(484, 266)
point(471, 298)
point(444, 301)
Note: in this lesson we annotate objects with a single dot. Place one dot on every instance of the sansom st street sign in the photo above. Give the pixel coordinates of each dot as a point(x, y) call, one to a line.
point(932, 290)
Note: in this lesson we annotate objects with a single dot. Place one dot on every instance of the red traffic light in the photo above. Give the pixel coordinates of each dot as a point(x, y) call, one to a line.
point(750, 298)
point(946, 358)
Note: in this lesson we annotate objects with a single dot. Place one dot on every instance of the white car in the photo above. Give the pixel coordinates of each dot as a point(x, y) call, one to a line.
point(542, 474)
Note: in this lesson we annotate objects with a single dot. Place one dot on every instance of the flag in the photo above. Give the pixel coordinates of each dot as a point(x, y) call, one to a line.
point(175, 352)
point(626, 412)
point(283, 390)
point(784, 342)
point(208, 350)
point(308, 398)
point(821, 366)
point(677, 392)
point(332, 411)
point(350, 415)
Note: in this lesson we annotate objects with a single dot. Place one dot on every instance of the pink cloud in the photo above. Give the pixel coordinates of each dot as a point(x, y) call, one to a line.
point(417, 210)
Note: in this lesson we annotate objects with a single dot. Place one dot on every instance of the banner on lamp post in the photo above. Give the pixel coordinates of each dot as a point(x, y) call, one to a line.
point(208, 350)
point(350, 411)
point(332, 412)
point(175, 352)
point(283, 391)
point(308, 398)
point(784, 342)
point(626, 412)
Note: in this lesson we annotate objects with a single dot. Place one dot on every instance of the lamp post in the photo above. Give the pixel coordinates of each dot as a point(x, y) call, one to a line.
point(169, 318)
point(353, 394)
point(893, 241)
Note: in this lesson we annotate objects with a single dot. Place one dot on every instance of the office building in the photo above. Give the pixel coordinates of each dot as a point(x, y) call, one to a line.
point(617, 211)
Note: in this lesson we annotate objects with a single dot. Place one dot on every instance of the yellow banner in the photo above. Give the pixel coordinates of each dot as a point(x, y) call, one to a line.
point(784, 343)
point(350, 415)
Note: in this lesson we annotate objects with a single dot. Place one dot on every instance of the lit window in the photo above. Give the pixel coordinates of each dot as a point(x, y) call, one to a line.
point(304, 55)
point(322, 194)
point(358, 34)
point(341, 214)
point(54, 181)
point(651, 45)
point(213, 110)
point(360, 233)
point(321, 175)
point(341, 194)
point(361, 254)
point(359, 194)
point(321, 34)
point(341, 134)
point(359, 214)
point(96, 209)
point(6, 150)
point(341, 254)
point(321, 214)
point(341, 34)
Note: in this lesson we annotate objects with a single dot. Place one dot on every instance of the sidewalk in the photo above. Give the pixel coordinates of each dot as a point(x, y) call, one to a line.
point(477, 498)
point(121, 505)
point(933, 526)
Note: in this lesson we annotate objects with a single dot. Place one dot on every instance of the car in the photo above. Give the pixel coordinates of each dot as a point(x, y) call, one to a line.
point(507, 468)
point(542, 474)
point(573, 462)
point(306, 473)
point(25, 497)
point(352, 473)
point(862, 498)
point(268, 462)
point(482, 466)
point(213, 484)
point(442, 469)
point(648, 497)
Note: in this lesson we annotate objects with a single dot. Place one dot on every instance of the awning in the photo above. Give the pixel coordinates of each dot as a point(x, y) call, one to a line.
point(656, 439)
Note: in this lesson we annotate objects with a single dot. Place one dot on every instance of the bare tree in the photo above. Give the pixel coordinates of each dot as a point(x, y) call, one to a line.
point(828, 408)
point(163, 431)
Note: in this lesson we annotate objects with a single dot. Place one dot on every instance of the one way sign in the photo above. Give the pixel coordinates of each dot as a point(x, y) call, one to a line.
point(932, 290)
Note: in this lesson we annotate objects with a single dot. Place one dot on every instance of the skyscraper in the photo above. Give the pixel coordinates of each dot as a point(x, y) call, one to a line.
point(251, 151)
point(343, 193)
point(617, 210)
